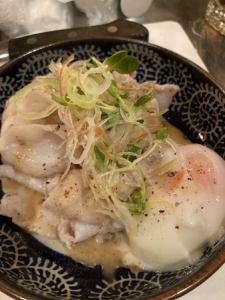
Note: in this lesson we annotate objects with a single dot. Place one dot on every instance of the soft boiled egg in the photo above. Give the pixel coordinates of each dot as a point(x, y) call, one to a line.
point(185, 211)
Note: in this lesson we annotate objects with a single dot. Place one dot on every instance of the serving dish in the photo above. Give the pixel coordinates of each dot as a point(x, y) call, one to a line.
point(32, 271)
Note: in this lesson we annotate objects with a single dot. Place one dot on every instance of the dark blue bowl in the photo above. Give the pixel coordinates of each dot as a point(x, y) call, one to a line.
point(29, 269)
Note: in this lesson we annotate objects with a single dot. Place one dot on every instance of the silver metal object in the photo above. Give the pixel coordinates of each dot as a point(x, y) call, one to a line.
point(4, 54)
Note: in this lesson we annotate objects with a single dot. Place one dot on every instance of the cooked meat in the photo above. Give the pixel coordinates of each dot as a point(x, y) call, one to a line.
point(36, 184)
point(36, 149)
point(164, 94)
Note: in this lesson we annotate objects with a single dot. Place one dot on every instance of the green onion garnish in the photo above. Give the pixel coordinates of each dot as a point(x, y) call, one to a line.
point(142, 100)
point(101, 162)
point(133, 149)
point(161, 133)
point(138, 202)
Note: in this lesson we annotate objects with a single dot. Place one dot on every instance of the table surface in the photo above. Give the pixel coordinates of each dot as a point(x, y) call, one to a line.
point(190, 15)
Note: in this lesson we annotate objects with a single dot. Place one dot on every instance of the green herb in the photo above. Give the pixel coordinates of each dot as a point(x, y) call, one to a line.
point(122, 62)
point(121, 100)
point(138, 202)
point(133, 149)
point(161, 133)
point(141, 121)
point(125, 95)
point(91, 64)
point(79, 91)
point(106, 144)
point(113, 90)
point(113, 119)
point(101, 162)
point(142, 100)
point(61, 101)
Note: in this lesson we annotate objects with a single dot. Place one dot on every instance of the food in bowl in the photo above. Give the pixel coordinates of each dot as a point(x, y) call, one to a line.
point(91, 168)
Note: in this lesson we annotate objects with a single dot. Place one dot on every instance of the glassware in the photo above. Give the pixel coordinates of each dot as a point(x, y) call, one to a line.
point(215, 15)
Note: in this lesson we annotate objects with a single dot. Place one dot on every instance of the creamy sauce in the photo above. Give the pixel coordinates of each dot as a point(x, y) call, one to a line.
point(107, 253)
point(177, 135)
point(110, 253)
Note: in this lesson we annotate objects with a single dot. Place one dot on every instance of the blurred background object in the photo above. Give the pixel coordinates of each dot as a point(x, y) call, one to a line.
point(215, 15)
point(99, 11)
point(134, 9)
point(30, 16)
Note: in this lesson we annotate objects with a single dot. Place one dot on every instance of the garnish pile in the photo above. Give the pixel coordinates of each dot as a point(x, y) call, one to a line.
point(111, 124)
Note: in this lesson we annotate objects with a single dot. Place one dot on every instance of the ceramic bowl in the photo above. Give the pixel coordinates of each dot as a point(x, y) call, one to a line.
point(30, 270)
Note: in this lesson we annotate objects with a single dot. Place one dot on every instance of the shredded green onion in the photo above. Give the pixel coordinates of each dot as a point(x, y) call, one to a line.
point(112, 119)
point(132, 148)
point(108, 132)
point(161, 133)
point(142, 100)
point(101, 162)
point(138, 202)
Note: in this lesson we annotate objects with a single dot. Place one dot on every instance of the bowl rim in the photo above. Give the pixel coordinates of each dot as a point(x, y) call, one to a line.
point(175, 292)
point(62, 43)
point(217, 260)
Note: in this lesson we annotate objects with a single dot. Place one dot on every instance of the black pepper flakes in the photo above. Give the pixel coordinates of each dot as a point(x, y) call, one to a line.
point(171, 174)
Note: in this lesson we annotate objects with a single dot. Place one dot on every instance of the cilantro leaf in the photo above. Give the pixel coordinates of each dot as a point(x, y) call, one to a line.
point(122, 62)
